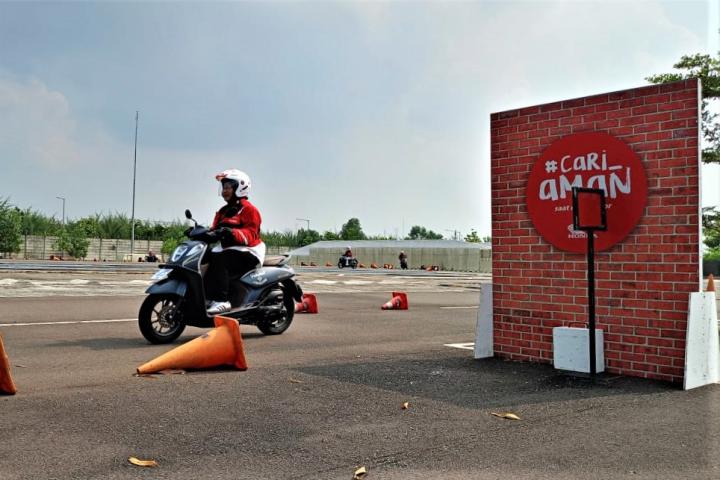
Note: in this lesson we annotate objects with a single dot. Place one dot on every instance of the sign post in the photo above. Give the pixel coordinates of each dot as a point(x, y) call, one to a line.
point(589, 216)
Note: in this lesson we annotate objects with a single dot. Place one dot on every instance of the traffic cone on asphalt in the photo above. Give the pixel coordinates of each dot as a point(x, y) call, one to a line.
point(6, 382)
point(328, 264)
point(711, 284)
point(308, 304)
point(220, 346)
point(399, 302)
point(373, 265)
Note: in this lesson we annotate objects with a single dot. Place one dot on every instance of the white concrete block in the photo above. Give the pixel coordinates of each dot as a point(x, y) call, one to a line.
point(702, 356)
point(484, 326)
point(571, 349)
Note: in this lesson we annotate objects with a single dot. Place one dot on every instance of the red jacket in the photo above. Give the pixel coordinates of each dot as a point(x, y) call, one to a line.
point(244, 221)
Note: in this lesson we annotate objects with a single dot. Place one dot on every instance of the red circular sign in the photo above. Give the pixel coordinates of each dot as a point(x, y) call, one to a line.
point(588, 160)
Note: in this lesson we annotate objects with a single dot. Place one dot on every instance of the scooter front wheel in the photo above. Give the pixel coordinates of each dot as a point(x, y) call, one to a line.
point(160, 319)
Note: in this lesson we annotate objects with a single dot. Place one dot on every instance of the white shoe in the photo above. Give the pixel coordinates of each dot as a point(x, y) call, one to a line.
point(219, 307)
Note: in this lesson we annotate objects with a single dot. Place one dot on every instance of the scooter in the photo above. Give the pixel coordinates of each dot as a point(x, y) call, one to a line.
point(344, 261)
point(264, 297)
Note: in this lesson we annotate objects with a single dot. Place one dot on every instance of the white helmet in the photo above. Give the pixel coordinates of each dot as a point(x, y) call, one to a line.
point(241, 181)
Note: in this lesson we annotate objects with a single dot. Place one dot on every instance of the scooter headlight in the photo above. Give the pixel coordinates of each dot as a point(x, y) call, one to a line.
point(178, 253)
point(161, 274)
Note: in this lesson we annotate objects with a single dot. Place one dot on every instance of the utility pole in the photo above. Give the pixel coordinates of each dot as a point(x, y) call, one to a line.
point(456, 233)
point(132, 215)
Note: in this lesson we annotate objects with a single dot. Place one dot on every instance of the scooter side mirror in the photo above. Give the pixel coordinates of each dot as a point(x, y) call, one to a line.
point(188, 215)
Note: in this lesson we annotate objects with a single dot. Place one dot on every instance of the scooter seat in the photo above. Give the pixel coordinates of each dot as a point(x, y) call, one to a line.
point(275, 260)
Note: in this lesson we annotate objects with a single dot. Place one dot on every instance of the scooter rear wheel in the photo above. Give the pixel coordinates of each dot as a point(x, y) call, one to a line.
point(159, 320)
point(278, 326)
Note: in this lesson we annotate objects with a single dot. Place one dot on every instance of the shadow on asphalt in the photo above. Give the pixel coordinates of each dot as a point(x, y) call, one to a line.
point(470, 383)
point(114, 343)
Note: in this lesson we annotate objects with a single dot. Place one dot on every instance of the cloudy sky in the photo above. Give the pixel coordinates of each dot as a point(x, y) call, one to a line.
point(336, 109)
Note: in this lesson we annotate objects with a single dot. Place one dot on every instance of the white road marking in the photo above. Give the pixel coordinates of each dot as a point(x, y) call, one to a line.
point(463, 307)
point(74, 322)
point(463, 346)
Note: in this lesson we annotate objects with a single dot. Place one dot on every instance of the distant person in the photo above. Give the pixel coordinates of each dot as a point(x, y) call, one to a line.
point(151, 257)
point(348, 252)
point(403, 259)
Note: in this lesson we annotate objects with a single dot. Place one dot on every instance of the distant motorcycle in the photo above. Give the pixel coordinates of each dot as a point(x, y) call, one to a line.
point(350, 262)
point(264, 297)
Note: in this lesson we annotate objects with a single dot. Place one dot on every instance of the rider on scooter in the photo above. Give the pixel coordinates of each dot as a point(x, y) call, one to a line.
point(237, 225)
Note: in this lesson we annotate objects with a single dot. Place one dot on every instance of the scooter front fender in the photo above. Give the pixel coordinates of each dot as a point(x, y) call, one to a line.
point(171, 286)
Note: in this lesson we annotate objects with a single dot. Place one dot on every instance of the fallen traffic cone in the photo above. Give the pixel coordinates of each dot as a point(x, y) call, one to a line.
point(711, 284)
point(362, 265)
point(220, 346)
point(313, 264)
point(308, 304)
point(399, 302)
point(6, 382)
point(328, 264)
point(373, 265)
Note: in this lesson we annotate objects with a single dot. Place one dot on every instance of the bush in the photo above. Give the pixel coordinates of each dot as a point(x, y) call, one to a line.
point(10, 228)
point(73, 241)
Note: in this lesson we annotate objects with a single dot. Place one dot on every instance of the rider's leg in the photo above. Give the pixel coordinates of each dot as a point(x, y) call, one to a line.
point(217, 279)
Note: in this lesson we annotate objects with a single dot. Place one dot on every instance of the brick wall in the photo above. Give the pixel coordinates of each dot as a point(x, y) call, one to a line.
point(642, 283)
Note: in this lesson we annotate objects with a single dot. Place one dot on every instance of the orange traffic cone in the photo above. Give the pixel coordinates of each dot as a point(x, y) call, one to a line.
point(221, 346)
point(399, 302)
point(373, 265)
point(313, 264)
point(328, 264)
point(6, 382)
point(308, 304)
point(362, 265)
point(711, 284)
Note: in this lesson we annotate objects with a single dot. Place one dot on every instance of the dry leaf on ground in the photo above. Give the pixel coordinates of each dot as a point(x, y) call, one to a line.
point(292, 380)
point(406, 405)
point(508, 415)
point(142, 463)
point(359, 473)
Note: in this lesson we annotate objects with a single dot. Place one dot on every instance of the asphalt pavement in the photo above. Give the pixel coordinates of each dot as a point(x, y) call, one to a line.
point(326, 397)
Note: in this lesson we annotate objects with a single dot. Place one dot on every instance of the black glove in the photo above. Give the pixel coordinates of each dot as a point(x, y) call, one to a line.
point(224, 233)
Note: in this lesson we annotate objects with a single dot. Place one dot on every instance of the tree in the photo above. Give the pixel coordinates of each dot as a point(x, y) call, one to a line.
point(306, 237)
point(328, 235)
point(707, 69)
point(88, 226)
point(472, 237)
point(35, 223)
point(711, 228)
point(114, 225)
point(352, 230)
point(421, 233)
point(10, 227)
